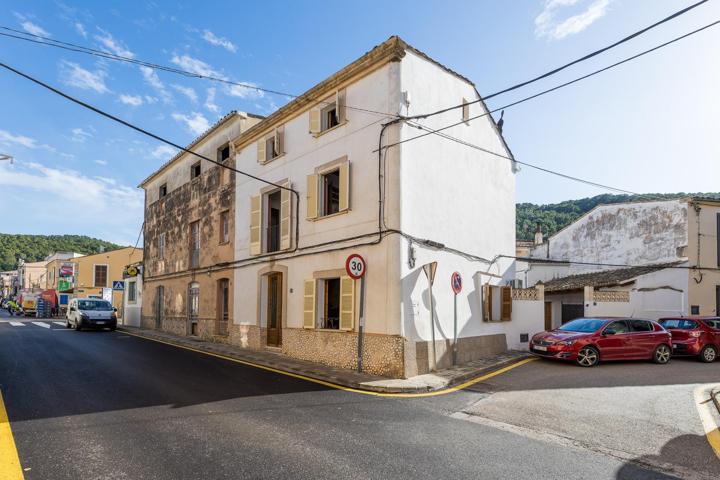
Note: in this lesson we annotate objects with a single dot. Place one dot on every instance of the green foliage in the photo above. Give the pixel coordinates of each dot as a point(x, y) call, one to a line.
point(33, 248)
point(556, 216)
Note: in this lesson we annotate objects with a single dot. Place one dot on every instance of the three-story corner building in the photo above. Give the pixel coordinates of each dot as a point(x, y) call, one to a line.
point(189, 236)
point(338, 180)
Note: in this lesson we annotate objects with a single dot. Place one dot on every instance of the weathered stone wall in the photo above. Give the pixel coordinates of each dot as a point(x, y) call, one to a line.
point(419, 355)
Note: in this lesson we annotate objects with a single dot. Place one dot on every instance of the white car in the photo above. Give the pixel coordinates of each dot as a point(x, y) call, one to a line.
point(90, 313)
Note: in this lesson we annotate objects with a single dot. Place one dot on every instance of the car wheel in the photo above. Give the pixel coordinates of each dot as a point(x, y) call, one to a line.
point(588, 357)
point(708, 354)
point(662, 354)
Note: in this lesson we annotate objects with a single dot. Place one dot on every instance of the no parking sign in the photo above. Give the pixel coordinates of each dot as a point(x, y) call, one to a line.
point(456, 282)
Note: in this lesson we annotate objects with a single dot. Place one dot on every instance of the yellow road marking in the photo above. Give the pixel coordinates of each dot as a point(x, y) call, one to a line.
point(341, 387)
point(9, 461)
point(704, 403)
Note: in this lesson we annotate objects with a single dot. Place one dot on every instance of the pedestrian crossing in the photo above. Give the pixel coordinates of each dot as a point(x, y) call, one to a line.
point(47, 324)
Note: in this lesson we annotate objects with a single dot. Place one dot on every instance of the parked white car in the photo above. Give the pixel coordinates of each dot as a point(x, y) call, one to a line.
point(90, 313)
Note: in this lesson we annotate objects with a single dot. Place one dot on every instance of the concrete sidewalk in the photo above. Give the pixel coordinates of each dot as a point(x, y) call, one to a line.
point(347, 378)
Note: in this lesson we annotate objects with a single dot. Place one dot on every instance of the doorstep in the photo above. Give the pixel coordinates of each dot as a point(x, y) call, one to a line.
point(345, 378)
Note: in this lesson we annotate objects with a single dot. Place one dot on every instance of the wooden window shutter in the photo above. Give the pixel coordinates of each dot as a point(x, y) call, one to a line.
point(279, 141)
point(506, 299)
point(261, 150)
point(312, 196)
point(309, 304)
point(347, 303)
point(255, 225)
point(315, 120)
point(486, 303)
point(285, 217)
point(340, 105)
point(344, 186)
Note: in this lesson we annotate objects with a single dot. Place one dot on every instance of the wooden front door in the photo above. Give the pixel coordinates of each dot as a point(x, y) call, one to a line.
point(274, 309)
point(548, 315)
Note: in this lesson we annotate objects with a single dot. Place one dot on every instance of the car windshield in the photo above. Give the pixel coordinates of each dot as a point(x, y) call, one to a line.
point(678, 323)
point(94, 305)
point(584, 325)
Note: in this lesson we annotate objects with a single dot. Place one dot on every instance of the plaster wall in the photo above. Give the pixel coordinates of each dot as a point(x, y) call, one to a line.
point(703, 249)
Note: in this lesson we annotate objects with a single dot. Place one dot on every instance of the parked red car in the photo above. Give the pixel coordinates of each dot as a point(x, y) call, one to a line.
point(695, 336)
point(586, 341)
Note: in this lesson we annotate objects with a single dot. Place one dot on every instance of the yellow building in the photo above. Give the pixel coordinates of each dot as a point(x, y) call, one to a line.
point(98, 271)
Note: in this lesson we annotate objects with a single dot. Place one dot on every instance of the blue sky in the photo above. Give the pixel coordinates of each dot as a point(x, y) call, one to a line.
point(648, 126)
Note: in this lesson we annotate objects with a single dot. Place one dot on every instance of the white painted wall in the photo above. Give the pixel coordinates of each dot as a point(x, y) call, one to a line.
point(527, 317)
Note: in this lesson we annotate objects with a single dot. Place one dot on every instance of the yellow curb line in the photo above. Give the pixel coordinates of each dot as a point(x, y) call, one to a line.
point(712, 431)
point(341, 387)
point(10, 468)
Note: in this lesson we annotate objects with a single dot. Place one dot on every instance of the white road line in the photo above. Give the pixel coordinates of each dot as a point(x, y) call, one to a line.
point(41, 324)
point(17, 324)
point(62, 324)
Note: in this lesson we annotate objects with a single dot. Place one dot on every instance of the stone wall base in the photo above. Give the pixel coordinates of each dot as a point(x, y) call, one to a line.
point(419, 355)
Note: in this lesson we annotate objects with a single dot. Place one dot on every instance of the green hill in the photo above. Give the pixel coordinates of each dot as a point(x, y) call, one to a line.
point(33, 248)
point(555, 216)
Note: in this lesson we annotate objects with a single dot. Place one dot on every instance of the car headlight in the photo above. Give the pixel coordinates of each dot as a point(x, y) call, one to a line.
point(84, 316)
point(567, 342)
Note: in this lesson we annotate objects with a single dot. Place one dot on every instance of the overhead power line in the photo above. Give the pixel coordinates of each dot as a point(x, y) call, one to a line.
point(51, 42)
point(567, 65)
point(557, 87)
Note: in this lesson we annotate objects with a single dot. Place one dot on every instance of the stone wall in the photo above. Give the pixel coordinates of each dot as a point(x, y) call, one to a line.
point(418, 355)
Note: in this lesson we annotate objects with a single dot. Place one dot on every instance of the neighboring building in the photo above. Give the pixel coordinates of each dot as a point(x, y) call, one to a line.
point(132, 299)
point(331, 193)
point(189, 225)
point(59, 270)
point(31, 275)
point(677, 240)
point(8, 283)
point(94, 274)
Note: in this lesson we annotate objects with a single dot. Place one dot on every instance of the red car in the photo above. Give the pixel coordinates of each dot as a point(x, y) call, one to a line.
point(696, 336)
point(586, 341)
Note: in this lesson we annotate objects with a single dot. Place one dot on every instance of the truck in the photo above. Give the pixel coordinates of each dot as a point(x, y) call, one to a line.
point(27, 300)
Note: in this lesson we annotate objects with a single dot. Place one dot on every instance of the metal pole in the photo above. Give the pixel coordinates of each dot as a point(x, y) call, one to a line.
point(361, 323)
point(455, 330)
point(432, 329)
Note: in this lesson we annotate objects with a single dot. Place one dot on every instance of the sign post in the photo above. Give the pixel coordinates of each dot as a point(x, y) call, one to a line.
point(429, 270)
point(356, 267)
point(456, 284)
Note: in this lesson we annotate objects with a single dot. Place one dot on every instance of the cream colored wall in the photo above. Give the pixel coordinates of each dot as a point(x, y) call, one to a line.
point(116, 260)
point(703, 251)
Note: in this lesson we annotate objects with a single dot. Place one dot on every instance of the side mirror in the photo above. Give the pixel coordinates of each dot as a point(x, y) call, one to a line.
point(114, 309)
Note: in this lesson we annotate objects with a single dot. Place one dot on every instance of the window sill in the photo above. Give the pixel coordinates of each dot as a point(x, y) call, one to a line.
point(320, 134)
point(270, 160)
point(337, 214)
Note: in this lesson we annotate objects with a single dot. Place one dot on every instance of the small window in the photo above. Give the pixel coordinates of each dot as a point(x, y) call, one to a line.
point(695, 310)
point(465, 111)
point(161, 246)
point(224, 227)
point(641, 326)
point(223, 153)
point(195, 170)
point(616, 328)
point(329, 117)
point(713, 323)
point(330, 192)
point(329, 304)
point(270, 148)
point(132, 292)
point(163, 190)
point(101, 275)
point(679, 324)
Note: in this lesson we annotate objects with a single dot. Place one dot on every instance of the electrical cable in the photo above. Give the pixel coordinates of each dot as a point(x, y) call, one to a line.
point(567, 65)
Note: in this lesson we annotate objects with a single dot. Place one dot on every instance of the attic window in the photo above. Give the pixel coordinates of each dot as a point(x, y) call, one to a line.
point(163, 190)
point(195, 170)
point(223, 153)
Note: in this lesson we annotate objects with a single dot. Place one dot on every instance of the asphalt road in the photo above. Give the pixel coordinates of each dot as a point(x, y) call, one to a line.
point(102, 405)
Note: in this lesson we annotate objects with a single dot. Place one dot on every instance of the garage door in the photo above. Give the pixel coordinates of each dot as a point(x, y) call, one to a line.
point(572, 311)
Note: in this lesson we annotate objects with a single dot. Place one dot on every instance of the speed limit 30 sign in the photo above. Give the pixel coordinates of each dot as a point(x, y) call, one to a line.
point(355, 266)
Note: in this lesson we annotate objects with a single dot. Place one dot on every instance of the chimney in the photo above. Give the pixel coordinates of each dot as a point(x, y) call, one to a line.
point(538, 235)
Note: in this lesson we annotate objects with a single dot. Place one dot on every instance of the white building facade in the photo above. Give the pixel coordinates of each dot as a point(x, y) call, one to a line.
point(335, 180)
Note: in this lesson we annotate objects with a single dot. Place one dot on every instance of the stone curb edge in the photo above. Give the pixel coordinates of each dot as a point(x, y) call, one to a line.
point(331, 378)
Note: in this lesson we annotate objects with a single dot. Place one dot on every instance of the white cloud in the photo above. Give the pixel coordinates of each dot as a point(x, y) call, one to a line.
point(548, 25)
point(8, 139)
point(101, 162)
point(187, 91)
point(210, 100)
point(186, 62)
point(80, 28)
point(244, 92)
point(112, 45)
point(134, 100)
point(113, 211)
point(152, 79)
point(212, 39)
point(163, 152)
point(196, 122)
point(79, 135)
point(73, 74)
point(30, 27)
point(150, 99)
